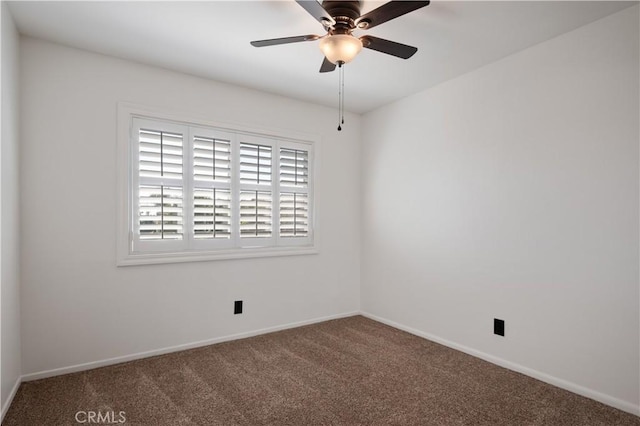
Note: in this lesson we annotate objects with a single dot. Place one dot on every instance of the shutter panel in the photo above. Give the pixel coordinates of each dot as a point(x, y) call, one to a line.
point(294, 167)
point(255, 214)
point(255, 164)
point(212, 187)
point(160, 154)
point(211, 159)
point(160, 192)
point(212, 213)
point(294, 195)
point(294, 214)
point(160, 213)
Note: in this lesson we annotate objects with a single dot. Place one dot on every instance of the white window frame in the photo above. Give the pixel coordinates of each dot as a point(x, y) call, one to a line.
point(132, 252)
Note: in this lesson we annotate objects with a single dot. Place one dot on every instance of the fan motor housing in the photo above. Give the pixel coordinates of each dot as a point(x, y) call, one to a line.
point(348, 9)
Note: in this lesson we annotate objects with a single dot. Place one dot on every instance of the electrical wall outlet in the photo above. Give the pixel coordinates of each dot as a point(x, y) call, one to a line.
point(237, 307)
point(498, 327)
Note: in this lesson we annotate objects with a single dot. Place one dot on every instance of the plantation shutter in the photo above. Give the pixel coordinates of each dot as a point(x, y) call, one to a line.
point(160, 212)
point(160, 188)
point(294, 214)
point(256, 189)
point(212, 199)
point(196, 189)
point(294, 167)
point(294, 192)
point(255, 164)
point(255, 214)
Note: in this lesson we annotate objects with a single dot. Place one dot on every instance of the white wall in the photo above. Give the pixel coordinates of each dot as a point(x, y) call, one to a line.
point(512, 192)
point(10, 222)
point(77, 305)
point(518, 188)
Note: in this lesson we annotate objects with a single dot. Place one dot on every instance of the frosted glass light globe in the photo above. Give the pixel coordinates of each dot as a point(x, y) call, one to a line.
point(340, 48)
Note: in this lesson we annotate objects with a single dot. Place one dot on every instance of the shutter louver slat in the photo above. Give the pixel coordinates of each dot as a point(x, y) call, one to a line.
point(294, 214)
point(294, 167)
point(255, 214)
point(212, 213)
point(255, 164)
point(211, 159)
point(160, 154)
point(160, 213)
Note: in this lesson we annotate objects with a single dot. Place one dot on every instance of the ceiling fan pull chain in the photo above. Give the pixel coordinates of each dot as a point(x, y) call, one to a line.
point(342, 90)
point(340, 95)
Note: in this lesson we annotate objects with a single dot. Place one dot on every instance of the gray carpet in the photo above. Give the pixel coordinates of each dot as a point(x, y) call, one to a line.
point(352, 371)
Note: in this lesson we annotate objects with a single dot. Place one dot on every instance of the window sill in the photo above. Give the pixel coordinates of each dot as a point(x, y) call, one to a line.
point(202, 256)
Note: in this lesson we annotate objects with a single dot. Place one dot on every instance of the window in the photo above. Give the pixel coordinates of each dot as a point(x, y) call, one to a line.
point(199, 192)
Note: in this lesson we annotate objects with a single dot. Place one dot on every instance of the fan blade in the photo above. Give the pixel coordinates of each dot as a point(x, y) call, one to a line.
point(327, 66)
point(389, 47)
point(316, 10)
point(387, 12)
point(284, 40)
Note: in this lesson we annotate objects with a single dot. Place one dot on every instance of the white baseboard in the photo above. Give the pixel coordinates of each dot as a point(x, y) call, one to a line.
point(120, 359)
point(12, 394)
point(555, 381)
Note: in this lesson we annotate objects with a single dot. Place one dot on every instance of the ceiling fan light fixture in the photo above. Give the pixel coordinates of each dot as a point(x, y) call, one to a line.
point(340, 48)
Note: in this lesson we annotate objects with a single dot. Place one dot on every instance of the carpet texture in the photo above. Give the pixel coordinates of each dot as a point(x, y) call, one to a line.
point(351, 371)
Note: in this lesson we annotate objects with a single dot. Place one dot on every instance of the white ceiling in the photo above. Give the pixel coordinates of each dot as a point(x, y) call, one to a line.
point(211, 39)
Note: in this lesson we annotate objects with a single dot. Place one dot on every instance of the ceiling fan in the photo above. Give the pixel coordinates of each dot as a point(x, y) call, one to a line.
point(340, 19)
